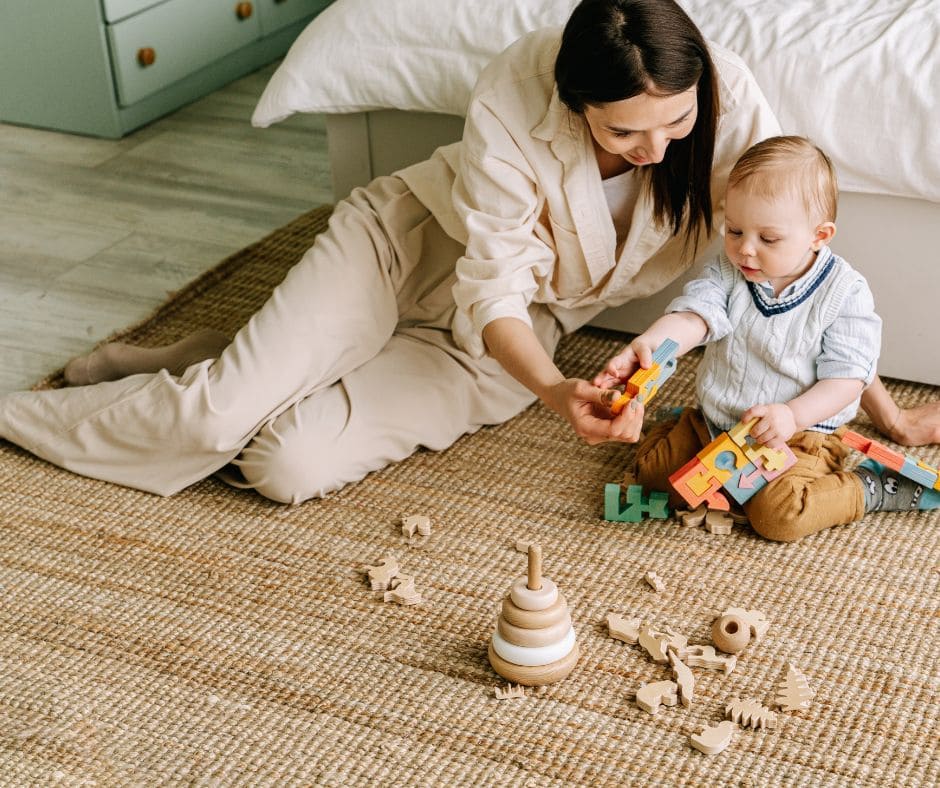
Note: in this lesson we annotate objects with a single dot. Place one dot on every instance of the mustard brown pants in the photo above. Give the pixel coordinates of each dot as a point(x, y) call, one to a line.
point(814, 494)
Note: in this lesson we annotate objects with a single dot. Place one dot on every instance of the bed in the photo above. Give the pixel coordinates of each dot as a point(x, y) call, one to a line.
point(859, 77)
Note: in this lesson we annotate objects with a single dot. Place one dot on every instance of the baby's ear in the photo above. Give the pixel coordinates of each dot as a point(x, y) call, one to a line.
point(824, 234)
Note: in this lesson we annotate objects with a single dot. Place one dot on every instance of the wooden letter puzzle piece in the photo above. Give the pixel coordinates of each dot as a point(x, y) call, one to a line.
point(644, 383)
point(625, 629)
point(750, 713)
point(656, 505)
point(794, 692)
point(713, 739)
point(649, 697)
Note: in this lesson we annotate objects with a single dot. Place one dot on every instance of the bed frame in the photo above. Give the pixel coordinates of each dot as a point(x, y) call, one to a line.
point(893, 241)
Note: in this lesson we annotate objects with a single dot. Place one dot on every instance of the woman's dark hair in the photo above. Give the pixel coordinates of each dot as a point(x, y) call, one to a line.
point(616, 49)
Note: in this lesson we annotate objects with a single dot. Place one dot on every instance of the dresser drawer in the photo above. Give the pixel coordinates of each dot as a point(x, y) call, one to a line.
point(276, 14)
point(168, 41)
point(115, 10)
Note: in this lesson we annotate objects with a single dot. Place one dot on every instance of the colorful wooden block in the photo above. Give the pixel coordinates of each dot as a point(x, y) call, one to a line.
point(732, 461)
point(654, 506)
point(913, 468)
point(644, 383)
point(695, 476)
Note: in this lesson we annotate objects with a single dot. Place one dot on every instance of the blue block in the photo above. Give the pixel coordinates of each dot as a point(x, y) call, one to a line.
point(744, 494)
point(922, 476)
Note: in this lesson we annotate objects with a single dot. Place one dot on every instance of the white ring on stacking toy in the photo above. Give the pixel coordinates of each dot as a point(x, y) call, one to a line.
point(533, 657)
point(524, 597)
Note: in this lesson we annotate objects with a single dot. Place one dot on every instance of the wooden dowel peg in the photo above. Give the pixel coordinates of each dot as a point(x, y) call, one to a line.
point(535, 567)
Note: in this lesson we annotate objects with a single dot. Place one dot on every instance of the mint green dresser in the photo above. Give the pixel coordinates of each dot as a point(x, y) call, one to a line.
point(106, 67)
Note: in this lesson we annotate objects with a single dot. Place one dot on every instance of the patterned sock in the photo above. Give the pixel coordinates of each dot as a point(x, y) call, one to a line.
point(887, 491)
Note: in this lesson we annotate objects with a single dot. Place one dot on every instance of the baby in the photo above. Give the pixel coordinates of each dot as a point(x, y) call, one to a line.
point(792, 339)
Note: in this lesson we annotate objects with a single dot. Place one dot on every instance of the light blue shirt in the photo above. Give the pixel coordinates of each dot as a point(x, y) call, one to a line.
point(762, 349)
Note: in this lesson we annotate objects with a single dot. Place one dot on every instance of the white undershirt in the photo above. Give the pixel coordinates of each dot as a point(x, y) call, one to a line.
point(621, 192)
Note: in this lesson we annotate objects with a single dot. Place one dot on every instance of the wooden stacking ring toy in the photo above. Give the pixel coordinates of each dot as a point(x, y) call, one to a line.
point(534, 642)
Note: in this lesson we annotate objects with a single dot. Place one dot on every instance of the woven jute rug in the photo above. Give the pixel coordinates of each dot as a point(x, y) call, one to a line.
point(217, 638)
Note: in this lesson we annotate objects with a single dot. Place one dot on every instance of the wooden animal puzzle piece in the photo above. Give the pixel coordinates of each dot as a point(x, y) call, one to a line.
point(655, 581)
point(416, 522)
point(656, 645)
point(684, 679)
point(625, 629)
point(510, 692)
point(650, 697)
point(750, 713)
point(382, 573)
point(794, 692)
point(674, 641)
point(718, 522)
point(757, 622)
point(655, 506)
point(402, 590)
point(644, 383)
point(713, 739)
point(705, 657)
point(693, 517)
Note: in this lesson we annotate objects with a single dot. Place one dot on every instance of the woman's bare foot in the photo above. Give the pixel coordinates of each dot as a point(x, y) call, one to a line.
point(118, 360)
point(917, 426)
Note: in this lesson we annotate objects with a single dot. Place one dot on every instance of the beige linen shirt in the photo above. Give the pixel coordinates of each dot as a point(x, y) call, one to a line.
point(523, 192)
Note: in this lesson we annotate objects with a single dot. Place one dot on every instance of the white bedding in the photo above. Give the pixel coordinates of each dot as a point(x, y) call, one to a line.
point(860, 77)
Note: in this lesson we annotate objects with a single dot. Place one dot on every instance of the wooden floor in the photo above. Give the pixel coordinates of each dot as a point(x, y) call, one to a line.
point(97, 233)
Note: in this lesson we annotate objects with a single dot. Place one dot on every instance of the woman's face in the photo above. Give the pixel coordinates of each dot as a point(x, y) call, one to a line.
point(641, 127)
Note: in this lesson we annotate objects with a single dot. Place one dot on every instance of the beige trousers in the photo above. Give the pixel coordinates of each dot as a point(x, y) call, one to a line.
point(349, 366)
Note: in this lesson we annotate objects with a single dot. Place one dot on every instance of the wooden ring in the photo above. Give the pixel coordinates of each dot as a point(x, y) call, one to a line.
point(539, 599)
point(535, 619)
point(534, 657)
point(534, 677)
point(531, 638)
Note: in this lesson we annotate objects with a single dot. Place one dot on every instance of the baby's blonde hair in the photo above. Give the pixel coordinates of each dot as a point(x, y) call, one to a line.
point(790, 165)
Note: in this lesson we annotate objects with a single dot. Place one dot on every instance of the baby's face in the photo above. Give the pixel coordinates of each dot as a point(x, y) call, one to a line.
point(769, 239)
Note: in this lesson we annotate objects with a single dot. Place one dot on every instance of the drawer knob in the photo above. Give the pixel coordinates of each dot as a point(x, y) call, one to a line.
point(243, 10)
point(146, 56)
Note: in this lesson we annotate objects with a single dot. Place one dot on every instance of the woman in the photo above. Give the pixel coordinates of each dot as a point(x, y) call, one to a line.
point(433, 303)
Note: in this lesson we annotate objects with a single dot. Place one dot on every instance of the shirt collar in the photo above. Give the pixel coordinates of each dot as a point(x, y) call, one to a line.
point(797, 288)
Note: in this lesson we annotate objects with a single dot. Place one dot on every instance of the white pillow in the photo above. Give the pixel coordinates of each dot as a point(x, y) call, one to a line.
point(420, 55)
point(869, 97)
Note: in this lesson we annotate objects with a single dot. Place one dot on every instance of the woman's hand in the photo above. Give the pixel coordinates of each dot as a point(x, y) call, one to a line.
point(587, 408)
point(775, 424)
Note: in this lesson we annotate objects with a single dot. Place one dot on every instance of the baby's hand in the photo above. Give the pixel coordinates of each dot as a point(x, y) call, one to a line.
point(775, 424)
point(639, 353)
